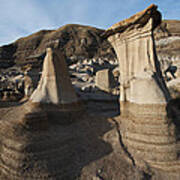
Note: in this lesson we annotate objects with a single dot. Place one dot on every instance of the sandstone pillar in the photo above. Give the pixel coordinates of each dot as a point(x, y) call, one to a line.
point(149, 136)
point(133, 42)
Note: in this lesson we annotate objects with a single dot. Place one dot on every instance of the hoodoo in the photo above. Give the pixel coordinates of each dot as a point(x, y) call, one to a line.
point(55, 94)
point(37, 146)
point(134, 44)
point(55, 85)
point(147, 133)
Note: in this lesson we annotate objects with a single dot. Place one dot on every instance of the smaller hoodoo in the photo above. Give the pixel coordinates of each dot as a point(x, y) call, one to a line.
point(38, 145)
point(55, 85)
point(55, 93)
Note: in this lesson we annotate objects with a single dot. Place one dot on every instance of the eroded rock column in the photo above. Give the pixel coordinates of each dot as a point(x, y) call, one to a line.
point(147, 133)
point(133, 42)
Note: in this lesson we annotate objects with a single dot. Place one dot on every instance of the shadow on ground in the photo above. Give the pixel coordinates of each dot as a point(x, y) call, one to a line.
point(78, 144)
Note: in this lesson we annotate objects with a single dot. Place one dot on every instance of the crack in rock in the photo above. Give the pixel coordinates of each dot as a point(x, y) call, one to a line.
point(127, 153)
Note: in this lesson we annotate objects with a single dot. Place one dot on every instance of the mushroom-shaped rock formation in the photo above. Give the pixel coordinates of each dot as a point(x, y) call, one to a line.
point(37, 146)
point(133, 42)
point(147, 133)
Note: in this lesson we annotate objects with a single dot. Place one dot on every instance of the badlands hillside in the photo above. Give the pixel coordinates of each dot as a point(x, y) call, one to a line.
point(74, 40)
point(82, 42)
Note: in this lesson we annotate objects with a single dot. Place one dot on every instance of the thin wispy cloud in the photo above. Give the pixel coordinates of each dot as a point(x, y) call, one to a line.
point(22, 17)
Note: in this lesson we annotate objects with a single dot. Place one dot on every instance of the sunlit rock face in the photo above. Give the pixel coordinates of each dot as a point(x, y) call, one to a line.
point(55, 85)
point(134, 44)
point(150, 137)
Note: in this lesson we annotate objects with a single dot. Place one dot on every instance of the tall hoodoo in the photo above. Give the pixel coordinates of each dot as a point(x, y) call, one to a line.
point(133, 42)
point(146, 131)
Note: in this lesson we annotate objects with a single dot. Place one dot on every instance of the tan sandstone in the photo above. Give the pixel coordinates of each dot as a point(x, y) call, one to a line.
point(55, 85)
point(133, 42)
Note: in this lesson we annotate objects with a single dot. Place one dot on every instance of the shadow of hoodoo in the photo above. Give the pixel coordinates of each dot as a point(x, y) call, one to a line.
point(54, 152)
point(147, 133)
point(39, 140)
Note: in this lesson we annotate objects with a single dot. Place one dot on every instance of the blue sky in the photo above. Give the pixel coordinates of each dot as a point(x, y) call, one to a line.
point(20, 18)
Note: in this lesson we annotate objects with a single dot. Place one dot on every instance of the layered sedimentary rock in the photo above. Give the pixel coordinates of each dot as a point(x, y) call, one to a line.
point(34, 148)
point(147, 133)
point(133, 42)
point(150, 137)
point(76, 41)
point(37, 146)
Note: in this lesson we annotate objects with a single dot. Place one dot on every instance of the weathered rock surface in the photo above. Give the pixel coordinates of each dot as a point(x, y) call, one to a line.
point(133, 42)
point(98, 146)
point(30, 50)
point(69, 37)
point(90, 148)
point(24, 80)
point(38, 148)
point(55, 93)
point(11, 85)
point(79, 151)
point(150, 136)
point(167, 46)
point(55, 85)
